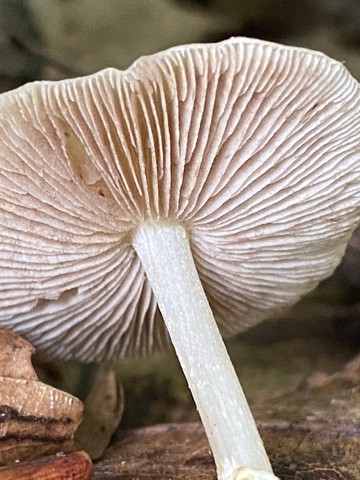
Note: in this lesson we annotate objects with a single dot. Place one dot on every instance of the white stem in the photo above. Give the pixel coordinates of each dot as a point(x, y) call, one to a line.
point(165, 253)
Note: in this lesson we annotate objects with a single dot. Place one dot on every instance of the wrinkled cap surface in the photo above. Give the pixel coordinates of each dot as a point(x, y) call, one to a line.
point(253, 147)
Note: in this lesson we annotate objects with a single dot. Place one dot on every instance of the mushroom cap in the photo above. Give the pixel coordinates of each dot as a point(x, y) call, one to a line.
point(253, 147)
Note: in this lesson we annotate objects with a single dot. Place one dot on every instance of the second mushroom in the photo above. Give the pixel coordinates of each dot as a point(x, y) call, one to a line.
point(215, 184)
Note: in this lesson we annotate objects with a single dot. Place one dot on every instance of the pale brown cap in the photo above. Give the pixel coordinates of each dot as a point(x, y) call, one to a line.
point(254, 147)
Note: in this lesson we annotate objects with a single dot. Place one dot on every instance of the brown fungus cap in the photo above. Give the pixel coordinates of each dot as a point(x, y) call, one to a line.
point(253, 147)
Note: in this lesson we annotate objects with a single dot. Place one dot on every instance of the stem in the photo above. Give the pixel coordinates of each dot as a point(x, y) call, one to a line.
point(165, 253)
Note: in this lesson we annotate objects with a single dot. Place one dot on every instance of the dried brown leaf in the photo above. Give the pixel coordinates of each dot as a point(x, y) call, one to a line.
point(35, 418)
point(76, 466)
point(104, 406)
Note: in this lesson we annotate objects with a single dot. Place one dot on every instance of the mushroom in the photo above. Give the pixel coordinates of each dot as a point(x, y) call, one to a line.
point(231, 169)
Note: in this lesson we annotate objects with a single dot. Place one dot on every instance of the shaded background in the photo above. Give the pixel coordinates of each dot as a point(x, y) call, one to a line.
point(54, 39)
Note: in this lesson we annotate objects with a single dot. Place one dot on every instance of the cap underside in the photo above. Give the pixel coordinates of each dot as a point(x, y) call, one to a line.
point(251, 146)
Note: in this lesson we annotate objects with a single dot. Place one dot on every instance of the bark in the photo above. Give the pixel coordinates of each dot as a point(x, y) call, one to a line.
point(312, 433)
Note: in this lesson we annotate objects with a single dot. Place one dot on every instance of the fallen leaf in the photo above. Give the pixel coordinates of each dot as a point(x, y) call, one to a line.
point(75, 466)
point(35, 418)
point(104, 406)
